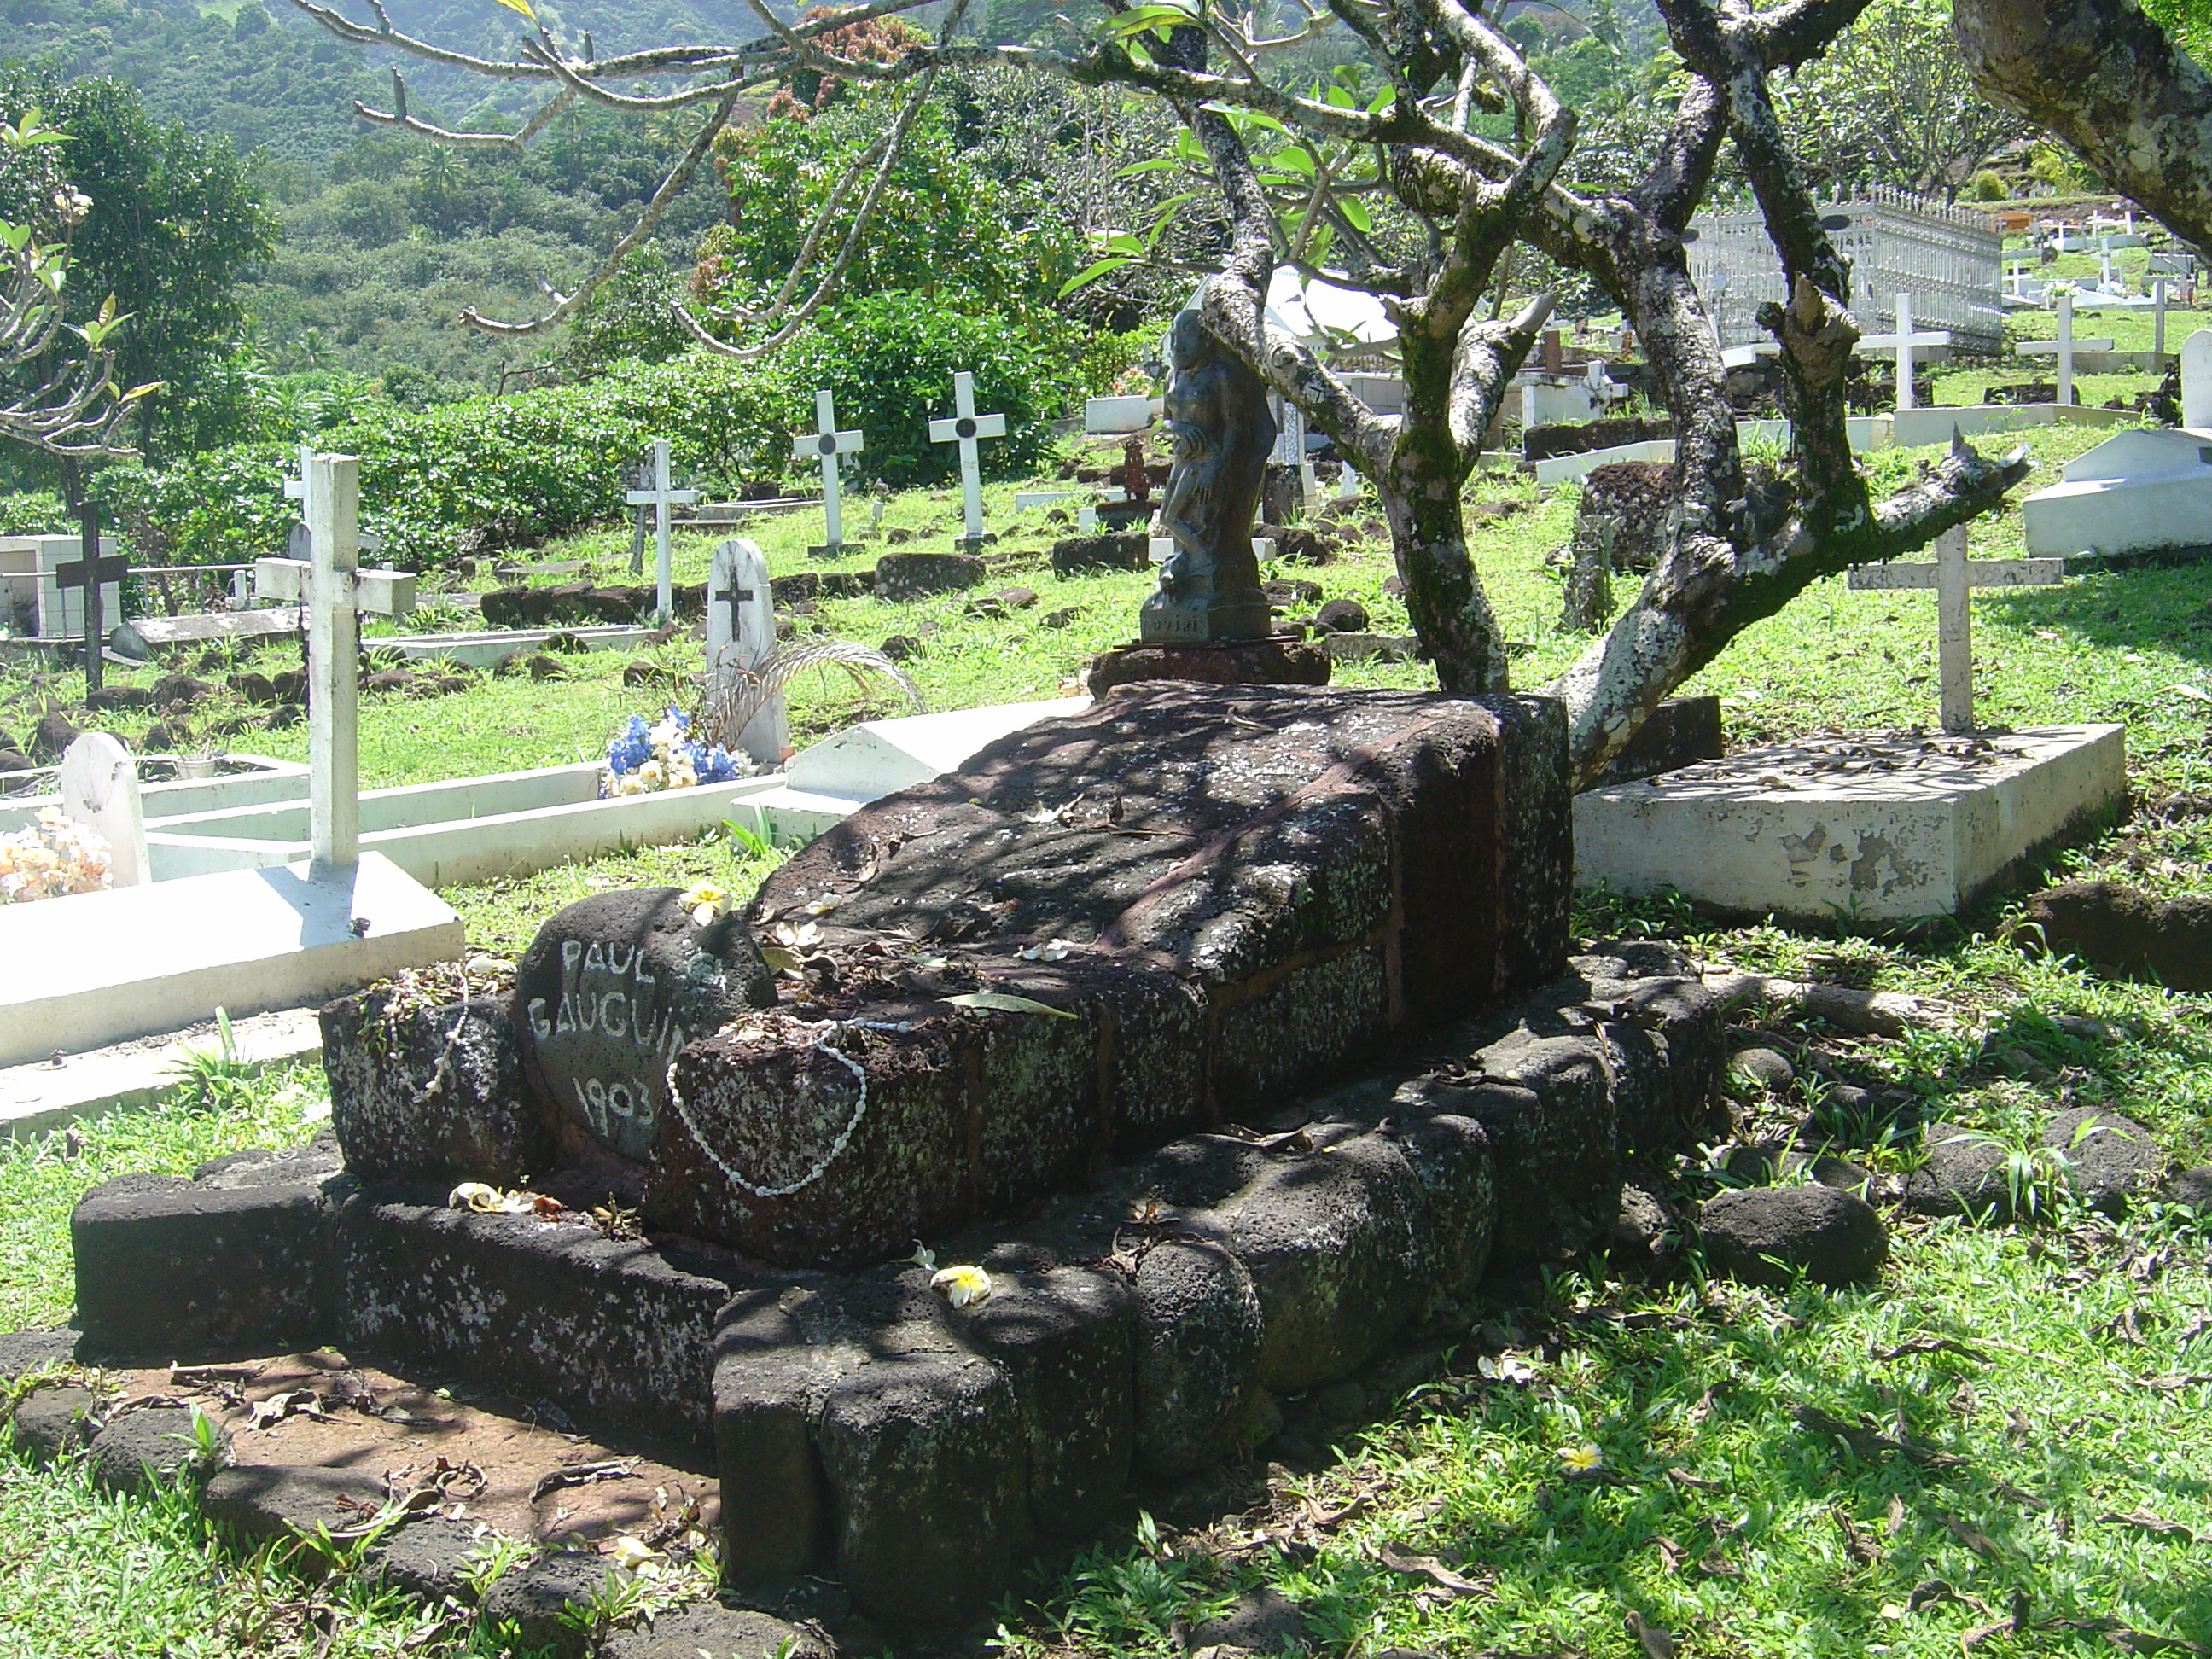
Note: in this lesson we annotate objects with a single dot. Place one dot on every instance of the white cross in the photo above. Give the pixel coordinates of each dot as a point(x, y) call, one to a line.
point(334, 590)
point(2065, 348)
point(660, 498)
point(964, 428)
point(1955, 576)
point(1903, 341)
point(827, 443)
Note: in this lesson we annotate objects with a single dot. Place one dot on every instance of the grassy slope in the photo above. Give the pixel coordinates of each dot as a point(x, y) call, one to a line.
point(1470, 1470)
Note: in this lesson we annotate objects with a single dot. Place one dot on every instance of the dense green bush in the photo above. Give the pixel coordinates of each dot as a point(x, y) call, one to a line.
point(540, 462)
point(890, 360)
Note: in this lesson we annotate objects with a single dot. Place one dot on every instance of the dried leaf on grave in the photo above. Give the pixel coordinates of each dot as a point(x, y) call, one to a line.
point(1682, 1477)
point(782, 960)
point(1964, 1401)
point(1919, 1345)
point(1869, 1444)
point(1006, 1002)
point(825, 904)
point(1656, 1642)
point(1428, 1568)
point(2196, 693)
point(1893, 1516)
point(1671, 1554)
point(1323, 1519)
point(301, 1402)
point(1857, 1541)
point(1051, 950)
point(1505, 1368)
point(583, 1474)
point(1973, 1538)
point(2146, 1521)
point(2174, 1382)
point(2123, 1327)
point(2017, 1427)
point(2012, 1494)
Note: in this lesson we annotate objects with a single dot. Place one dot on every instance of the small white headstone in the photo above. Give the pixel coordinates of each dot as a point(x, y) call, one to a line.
point(2197, 379)
point(741, 637)
point(100, 791)
point(2135, 491)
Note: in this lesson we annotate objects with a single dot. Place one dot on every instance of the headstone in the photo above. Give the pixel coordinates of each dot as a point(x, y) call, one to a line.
point(740, 637)
point(2135, 491)
point(2197, 379)
point(2158, 317)
point(609, 990)
point(1218, 420)
point(964, 428)
point(825, 444)
point(2065, 348)
point(1955, 577)
point(1113, 415)
point(661, 497)
point(100, 791)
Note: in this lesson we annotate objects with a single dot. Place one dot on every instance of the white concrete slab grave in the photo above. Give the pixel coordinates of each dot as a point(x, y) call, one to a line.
point(963, 427)
point(140, 637)
point(661, 495)
point(240, 780)
point(2197, 379)
point(94, 969)
point(100, 791)
point(39, 1097)
point(1955, 577)
point(483, 648)
point(1552, 400)
point(1884, 829)
point(1564, 468)
point(825, 444)
point(740, 639)
point(2137, 490)
point(1102, 416)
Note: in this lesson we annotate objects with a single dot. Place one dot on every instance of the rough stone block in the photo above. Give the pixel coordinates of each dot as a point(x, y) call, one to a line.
point(430, 1090)
point(1278, 659)
point(612, 1331)
point(1224, 916)
point(544, 1597)
point(769, 1384)
point(1768, 1235)
point(274, 1500)
point(2109, 1159)
point(902, 577)
point(718, 1632)
point(135, 1450)
point(169, 1269)
point(426, 1557)
point(22, 1353)
point(53, 1419)
point(1678, 732)
point(1074, 555)
point(1198, 1335)
point(1555, 1138)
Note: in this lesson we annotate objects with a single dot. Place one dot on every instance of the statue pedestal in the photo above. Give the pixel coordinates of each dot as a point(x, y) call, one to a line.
point(1278, 659)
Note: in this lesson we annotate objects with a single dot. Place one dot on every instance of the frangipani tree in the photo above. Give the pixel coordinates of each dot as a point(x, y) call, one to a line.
point(59, 381)
point(1415, 180)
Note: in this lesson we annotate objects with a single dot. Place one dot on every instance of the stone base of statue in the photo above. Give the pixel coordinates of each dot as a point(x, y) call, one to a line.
point(1277, 660)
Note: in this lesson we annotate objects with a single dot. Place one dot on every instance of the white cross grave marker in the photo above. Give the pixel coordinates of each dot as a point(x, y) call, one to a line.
point(1955, 576)
point(2197, 380)
point(827, 443)
point(334, 590)
point(740, 637)
point(661, 497)
point(1903, 341)
point(964, 427)
point(2158, 317)
point(100, 790)
point(2065, 348)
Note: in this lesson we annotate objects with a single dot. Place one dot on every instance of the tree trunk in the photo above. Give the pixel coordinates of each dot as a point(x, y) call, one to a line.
point(2107, 80)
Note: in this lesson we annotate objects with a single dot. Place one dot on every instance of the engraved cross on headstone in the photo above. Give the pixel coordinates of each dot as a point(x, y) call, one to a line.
point(1955, 576)
point(964, 427)
point(741, 638)
point(661, 496)
point(825, 443)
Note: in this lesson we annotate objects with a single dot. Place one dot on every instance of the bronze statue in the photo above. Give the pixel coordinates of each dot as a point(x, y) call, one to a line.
point(1221, 434)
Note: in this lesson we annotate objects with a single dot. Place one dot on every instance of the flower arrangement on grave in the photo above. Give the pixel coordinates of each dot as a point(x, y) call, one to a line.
point(51, 859)
point(665, 756)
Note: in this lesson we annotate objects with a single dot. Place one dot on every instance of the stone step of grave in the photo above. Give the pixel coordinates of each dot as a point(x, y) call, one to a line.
point(240, 780)
point(1893, 828)
point(139, 638)
point(731, 512)
point(483, 650)
point(2136, 491)
point(1277, 1262)
point(94, 969)
point(39, 1095)
point(1228, 892)
point(581, 604)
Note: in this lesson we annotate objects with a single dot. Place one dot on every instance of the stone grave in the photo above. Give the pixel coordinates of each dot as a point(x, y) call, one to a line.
point(1214, 1038)
point(2137, 490)
point(1891, 826)
point(740, 639)
point(91, 969)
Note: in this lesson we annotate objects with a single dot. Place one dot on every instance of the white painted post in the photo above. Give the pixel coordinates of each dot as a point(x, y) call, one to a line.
point(827, 443)
point(100, 791)
point(661, 497)
point(1955, 646)
point(1904, 351)
point(741, 637)
point(2065, 348)
point(2105, 268)
point(334, 496)
point(2197, 380)
point(964, 427)
point(2158, 317)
